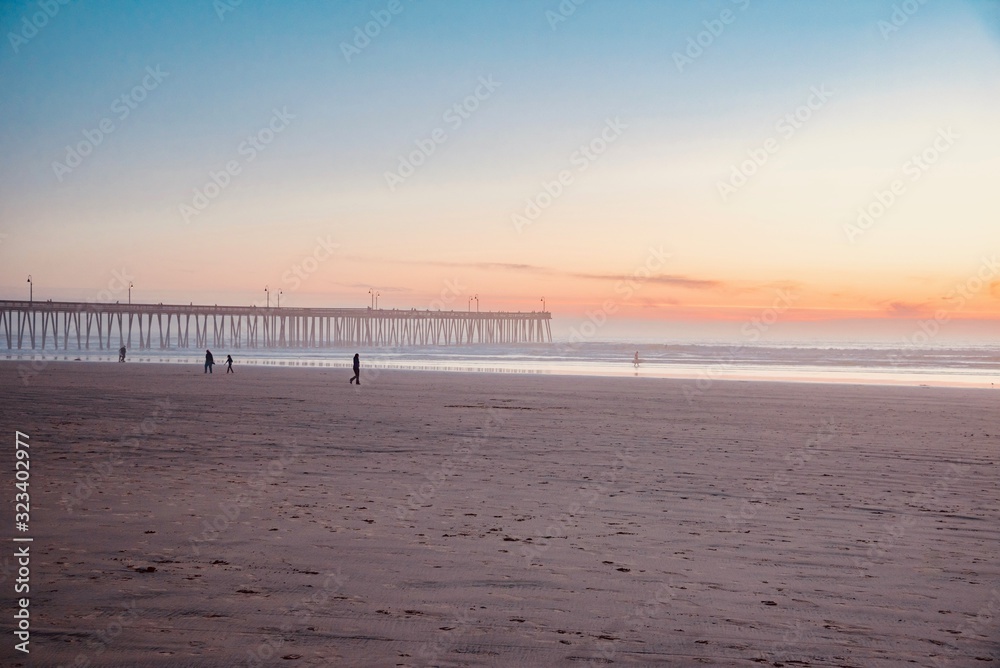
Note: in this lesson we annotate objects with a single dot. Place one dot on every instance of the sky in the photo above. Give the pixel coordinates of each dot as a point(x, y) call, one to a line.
point(726, 170)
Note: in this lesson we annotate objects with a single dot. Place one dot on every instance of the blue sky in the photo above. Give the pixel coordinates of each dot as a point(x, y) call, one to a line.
point(325, 173)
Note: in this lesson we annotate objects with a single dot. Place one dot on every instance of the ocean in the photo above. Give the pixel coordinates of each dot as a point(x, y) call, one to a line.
point(701, 363)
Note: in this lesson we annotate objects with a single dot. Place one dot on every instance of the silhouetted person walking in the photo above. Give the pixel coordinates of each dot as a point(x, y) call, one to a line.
point(209, 361)
point(357, 369)
point(121, 354)
point(229, 364)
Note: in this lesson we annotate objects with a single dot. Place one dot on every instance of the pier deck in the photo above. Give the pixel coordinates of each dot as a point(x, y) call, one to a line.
point(80, 325)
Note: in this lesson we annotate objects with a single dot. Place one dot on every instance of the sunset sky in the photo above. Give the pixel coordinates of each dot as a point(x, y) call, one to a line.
point(680, 167)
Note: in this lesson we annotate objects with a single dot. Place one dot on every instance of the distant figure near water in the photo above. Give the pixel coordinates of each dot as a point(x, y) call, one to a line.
point(209, 361)
point(121, 354)
point(357, 370)
point(229, 364)
point(635, 362)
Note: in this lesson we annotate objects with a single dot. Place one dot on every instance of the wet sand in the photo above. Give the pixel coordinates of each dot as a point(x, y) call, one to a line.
point(282, 517)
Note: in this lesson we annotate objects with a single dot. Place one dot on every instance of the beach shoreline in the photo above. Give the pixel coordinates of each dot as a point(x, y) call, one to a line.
point(697, 376)
point(431, 518)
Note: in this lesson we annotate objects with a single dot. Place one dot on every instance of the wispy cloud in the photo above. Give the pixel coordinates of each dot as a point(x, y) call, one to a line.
point(658, 303)
point(673, 280)
point(369, 286)
point(906, 309)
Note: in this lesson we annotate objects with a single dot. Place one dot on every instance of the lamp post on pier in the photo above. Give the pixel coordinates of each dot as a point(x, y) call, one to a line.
point(280, 292)
point(477, 303)
point(267, 295)
point(372, 295)
point(377, 295)
point(130, 286)
point(31, 290)
point(543, 304)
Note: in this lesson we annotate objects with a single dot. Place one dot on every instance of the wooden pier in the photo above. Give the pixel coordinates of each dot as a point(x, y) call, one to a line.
point(85, 326)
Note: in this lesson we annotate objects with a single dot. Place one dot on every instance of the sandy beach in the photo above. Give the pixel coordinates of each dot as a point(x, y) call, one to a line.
point(283, 517)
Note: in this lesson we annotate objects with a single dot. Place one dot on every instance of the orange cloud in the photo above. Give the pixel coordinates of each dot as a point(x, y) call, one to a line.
point(906, 309)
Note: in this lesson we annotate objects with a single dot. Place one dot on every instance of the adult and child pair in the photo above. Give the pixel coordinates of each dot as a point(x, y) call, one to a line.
point(210, 362)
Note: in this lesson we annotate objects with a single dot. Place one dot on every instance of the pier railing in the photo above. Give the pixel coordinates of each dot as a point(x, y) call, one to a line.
point(80, 325)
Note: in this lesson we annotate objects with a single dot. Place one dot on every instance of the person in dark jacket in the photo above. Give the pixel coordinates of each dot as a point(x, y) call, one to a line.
point(357, 369)
point(209, 361)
